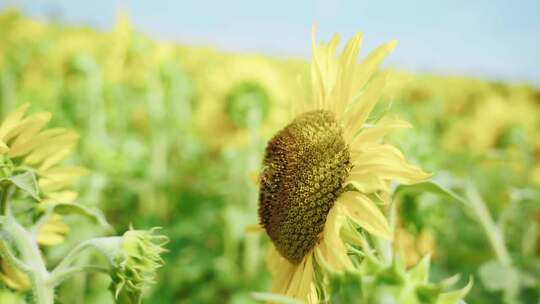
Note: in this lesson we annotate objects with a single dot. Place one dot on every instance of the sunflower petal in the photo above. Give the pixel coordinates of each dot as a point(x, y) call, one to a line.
point(360, 110)
point(365, 214)
point(24, 145)
point(3, 147)
point(347, 67)
point(29, 126)
point(372, 62)
point(376, 133)
point(385, 162)
point(12, 120)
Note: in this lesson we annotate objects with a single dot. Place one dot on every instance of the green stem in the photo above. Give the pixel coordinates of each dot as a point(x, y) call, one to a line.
point(6, 193)
point(104, 245)
point(492, 231)
point(58, 277)
point(384, 247)
point(71, 257)
point(26, 244)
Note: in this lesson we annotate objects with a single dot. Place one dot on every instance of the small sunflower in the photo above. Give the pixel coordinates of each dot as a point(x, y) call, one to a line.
point(240, 91)
point(485, 128)
point(26, 146)
point(324, 172)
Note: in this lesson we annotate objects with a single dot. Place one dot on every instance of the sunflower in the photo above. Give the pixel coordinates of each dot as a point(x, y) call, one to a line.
point(26, 147)
point(485, 128)
point(324, 173)
point(239, 92)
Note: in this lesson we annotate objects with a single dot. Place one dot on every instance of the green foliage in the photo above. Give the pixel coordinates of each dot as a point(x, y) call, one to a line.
point(377, 283)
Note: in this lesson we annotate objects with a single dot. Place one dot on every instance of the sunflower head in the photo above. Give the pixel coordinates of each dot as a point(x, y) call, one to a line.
point(247, 103)
point(305, 167)
point(135, 263)
point(31, 156)
point(326, 171)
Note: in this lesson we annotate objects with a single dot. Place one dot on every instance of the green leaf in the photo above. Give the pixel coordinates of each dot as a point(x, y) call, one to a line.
point(427, 293)
point(430, 186)
point(27, 182)
point(456, 296)
point(420, 272)
point(94, 215)
point(273, 298)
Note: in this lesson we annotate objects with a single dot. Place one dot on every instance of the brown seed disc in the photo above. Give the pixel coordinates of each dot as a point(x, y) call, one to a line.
point(304, 169)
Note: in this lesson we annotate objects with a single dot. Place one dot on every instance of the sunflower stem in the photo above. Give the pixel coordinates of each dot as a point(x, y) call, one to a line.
point(492, 231)
point(31, 261)
point(58, 277)
point(71, 257)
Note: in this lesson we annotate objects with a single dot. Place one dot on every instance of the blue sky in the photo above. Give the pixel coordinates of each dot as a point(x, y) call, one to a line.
point(492, 39)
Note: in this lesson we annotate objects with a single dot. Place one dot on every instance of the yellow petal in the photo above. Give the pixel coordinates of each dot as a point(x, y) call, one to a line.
point(332, 246)
point(292, 288)
point(360, 110)
point(376, 133)
point(282, 271)
point(50, 238)
point(372, 62)
point(12, 120)
point(347, 64)
point(324, 70)
point(3, 147)
point(64, 172)
point(59, 145)
point(24, 145)
point(59, 156)
point(306, 280)
point(62, 196)
point(14, 278)
point(254, 228)
point(385, 162)
point(29, 126)
point(53, 232)
point(302, 280)
point(367, 182)
point(365, 214)
point(48, 185)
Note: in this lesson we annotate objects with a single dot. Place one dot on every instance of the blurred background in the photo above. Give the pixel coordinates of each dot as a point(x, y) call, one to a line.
point(175, 102)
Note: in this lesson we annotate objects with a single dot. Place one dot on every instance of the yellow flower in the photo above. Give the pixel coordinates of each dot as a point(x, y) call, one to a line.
point(13, 278)
point(25, 144)
point(53, 231)
point(235, 88)
point(323, 173)
point(483, 130)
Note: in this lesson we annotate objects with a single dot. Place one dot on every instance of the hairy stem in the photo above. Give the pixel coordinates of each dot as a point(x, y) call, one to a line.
point(58, 277)
point(31, 258)
point(71, 257)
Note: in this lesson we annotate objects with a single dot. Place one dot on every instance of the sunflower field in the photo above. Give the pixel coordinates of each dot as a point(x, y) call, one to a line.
point(139, 171)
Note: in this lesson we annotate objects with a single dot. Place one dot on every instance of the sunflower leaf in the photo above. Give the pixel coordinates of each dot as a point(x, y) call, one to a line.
point(429, 186)
point(456, 296)
point(27, 182)
point(94, 215)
